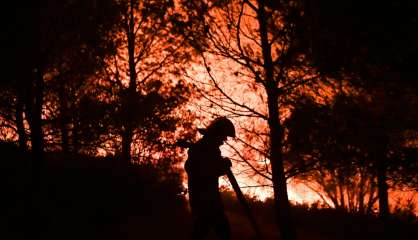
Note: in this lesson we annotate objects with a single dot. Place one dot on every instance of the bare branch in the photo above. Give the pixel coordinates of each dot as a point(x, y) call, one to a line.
point(227, 96)
point(248, 163)
point(252, 6)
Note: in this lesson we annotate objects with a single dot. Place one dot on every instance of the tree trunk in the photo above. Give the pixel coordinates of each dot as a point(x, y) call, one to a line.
point(33, 209)
point(278, 173)
point(20, 123)
point(128, 129)
point(63, 119)
point(382, 189)
point(276, 134)
point(350, 201)
point(33, 67)
point(35, 118)
point(371, 197)
point(361, 192)
point(340, 190)
point(126, 146)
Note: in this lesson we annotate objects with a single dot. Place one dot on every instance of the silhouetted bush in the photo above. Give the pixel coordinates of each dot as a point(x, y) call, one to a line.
point(315, 222)
point(87, 197)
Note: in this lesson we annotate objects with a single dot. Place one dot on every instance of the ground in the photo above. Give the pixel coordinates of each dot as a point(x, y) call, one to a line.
point(80, 197)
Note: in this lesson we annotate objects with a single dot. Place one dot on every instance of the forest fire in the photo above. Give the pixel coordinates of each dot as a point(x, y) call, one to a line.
point(111, 109)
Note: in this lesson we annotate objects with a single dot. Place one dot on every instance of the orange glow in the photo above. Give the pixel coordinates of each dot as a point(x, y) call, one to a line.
point(246, 105)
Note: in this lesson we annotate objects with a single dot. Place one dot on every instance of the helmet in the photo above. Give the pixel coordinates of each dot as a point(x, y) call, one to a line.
point(220, 126)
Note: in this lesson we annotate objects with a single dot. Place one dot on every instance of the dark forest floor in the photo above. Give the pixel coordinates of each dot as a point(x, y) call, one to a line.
point(90, 198)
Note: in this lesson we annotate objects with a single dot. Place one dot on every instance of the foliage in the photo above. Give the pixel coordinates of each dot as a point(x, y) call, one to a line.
point(141, 82)
point(337, 142)
point(359, 38)
point(51, 39)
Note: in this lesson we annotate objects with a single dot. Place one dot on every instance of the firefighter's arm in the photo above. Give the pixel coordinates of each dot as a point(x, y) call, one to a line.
point(223, 166)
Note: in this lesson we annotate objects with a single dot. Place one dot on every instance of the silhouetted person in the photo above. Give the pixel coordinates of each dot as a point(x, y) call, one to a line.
point(204, 166)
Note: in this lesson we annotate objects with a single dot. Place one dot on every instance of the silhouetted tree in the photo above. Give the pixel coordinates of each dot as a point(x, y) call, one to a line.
point(12, 102)
point(144, 72)
point(340, 139)
point(375, 45)
point(42, 34)
point(88, 99)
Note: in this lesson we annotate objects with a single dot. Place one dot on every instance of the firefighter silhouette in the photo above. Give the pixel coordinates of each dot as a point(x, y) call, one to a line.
point(204, 166)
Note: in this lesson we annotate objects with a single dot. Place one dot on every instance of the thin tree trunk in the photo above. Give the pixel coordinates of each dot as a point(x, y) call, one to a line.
point(128, 129)
point(36, 161)
point(126, 146)
point(23, 139)
point(63, 119)
point(379, 154)
point(371, 198)
point(350, 201)
point(340, 190)
point(35, 119)
point(361, 193)
point(382, 189)
point(334, 199)
point(34, 83)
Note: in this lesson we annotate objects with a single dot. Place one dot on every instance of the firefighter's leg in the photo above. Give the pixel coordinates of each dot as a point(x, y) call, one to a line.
point(200, 228)
point(222, 228)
